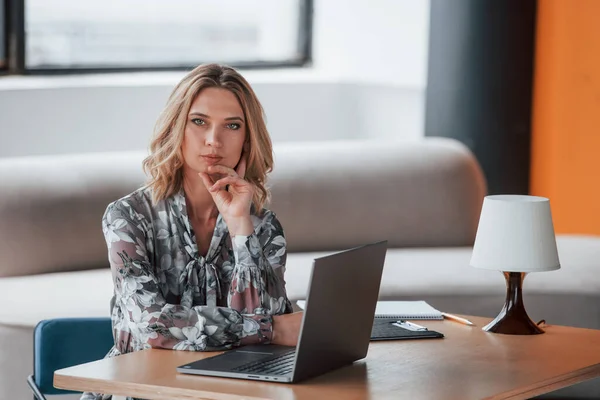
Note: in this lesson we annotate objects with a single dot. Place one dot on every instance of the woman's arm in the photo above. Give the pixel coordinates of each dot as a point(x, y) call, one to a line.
point(144, 319)
point(258, 285)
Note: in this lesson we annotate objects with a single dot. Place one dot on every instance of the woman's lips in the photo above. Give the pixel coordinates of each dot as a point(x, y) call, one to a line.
point(211, 160)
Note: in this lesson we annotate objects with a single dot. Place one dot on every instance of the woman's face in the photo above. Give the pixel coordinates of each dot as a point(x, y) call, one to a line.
point(215, 131)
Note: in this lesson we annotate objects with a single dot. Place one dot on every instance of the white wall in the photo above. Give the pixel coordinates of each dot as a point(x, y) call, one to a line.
point(381, 41)
point(367, 80)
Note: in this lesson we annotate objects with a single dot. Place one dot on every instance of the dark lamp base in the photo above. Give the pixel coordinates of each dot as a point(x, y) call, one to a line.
point(513, 319)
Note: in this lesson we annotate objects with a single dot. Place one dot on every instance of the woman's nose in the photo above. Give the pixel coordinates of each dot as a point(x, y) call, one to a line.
point(212, 138)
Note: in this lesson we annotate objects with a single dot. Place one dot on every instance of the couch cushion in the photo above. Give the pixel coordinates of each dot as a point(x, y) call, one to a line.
point(407, 273)
point(30, 299)
point(446, 271)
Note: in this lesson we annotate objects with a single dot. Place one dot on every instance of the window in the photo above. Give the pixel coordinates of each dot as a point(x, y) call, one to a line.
point(108, 35)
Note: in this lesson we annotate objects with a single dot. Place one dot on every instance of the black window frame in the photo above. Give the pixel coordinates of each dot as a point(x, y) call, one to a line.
point(14, 38)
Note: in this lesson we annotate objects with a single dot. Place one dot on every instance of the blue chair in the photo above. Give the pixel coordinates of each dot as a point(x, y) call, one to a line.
point(64, 342)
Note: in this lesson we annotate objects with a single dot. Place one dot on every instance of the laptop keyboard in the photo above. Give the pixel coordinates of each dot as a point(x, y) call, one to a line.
point(280, 365)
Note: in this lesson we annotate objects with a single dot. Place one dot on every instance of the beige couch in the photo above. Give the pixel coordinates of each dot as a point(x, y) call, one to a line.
point(424, 197)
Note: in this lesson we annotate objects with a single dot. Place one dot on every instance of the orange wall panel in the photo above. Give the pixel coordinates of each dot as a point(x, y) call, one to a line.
point(565, 159)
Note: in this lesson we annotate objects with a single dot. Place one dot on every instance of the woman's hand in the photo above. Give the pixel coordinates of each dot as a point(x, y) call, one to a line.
point(286, 328)
point(232, 195)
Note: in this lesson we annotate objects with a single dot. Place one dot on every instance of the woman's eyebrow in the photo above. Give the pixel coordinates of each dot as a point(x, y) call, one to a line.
point(199, 114)
point(235, 118)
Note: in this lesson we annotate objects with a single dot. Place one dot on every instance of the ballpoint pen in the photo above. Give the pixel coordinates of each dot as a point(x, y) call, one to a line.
point(458, 319)
point(409, 325)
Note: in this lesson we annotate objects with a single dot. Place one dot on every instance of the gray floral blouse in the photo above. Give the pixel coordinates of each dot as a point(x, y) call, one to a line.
point(169, 296)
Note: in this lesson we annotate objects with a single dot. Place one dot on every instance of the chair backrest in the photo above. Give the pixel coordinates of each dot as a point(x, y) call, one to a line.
point(64, 342)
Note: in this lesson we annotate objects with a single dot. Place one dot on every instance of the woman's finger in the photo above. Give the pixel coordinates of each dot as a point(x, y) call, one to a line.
point(208, 182)
point(221, 169)
point(223, 182)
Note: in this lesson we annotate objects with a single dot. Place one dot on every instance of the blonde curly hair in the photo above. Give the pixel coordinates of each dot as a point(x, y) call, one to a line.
point(165, 162)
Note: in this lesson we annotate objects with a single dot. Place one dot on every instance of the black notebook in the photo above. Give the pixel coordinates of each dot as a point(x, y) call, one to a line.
point(396, 330)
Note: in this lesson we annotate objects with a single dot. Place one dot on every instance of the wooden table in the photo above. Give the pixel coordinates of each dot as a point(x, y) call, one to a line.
point(467, 364)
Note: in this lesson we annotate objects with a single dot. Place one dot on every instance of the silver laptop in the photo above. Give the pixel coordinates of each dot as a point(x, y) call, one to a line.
point(336, 325)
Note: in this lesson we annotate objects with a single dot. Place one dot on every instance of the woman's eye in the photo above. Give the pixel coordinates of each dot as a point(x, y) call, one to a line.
point(198, 121)
point(234, 127)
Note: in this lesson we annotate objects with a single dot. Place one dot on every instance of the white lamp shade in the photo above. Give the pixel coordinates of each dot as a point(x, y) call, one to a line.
point(515, 234)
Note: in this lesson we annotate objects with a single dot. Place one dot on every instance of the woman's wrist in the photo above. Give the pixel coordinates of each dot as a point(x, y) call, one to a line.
point(273, 333)
point(275, 329)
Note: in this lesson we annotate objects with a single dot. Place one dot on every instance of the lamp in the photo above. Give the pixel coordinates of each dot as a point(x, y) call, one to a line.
point(516, 236)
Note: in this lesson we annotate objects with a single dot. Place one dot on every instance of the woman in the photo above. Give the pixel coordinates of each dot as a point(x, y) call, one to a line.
point(197, 262)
